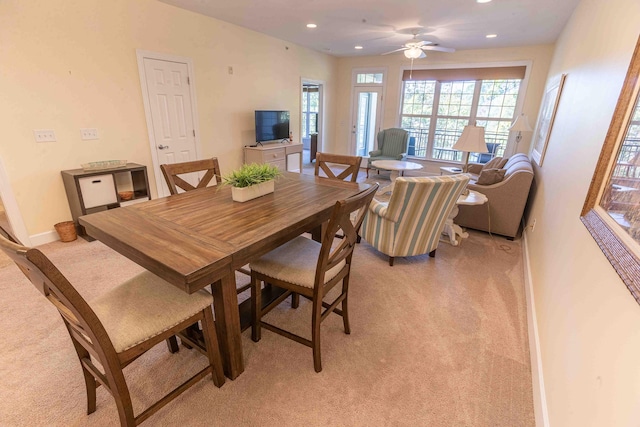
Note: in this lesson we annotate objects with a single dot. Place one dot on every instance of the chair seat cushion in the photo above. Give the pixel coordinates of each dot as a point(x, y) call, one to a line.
point(143, 307)
point(294, 262)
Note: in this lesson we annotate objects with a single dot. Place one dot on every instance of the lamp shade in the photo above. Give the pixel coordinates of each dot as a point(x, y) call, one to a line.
point(521, 124)
point(472, 140)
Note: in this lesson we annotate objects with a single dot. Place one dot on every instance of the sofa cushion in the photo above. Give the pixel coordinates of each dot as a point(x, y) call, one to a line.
point(490, 176)
point(495, 163)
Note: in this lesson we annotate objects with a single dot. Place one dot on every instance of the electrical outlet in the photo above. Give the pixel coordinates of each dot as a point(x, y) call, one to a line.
point(44, 135)
point(89, 133)
point(533, 225)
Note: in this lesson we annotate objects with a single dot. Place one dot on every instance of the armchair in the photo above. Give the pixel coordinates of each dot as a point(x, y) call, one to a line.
point(392, 145)
point(411, 223)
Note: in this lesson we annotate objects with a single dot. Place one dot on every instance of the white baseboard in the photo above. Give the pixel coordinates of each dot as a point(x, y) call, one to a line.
point(42, 238)
point(537, 378)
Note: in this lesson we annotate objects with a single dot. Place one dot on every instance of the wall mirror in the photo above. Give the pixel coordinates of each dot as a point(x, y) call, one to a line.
point(611, 211)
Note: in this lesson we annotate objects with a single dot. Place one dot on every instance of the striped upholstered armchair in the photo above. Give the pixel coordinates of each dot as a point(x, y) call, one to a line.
point(411, 223)
point(392, 145)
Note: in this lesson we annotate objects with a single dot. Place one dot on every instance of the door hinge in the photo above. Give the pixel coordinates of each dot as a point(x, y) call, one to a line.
point(194, 132)
point(188, 80)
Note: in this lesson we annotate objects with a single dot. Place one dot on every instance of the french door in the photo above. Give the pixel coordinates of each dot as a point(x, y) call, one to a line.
point(366, 119)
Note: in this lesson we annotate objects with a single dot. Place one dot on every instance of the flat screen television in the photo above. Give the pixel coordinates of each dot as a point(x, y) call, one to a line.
point(272, 125)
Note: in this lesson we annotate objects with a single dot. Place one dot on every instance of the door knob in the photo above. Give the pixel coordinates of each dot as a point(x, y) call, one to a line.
point(162, 147)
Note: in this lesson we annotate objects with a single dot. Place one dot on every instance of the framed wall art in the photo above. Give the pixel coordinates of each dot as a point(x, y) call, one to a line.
point(611, 210)
point(547, 114)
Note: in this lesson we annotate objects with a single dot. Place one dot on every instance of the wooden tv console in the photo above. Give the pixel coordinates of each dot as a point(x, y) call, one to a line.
point(277, 154)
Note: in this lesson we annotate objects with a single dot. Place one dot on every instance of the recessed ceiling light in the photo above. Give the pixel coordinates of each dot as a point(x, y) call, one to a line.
point(312, 26)
point(483, 1)
point(491, 36)
point(357, 47)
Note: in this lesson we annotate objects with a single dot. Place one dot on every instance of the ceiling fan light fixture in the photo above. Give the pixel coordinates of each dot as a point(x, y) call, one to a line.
point(413, 53)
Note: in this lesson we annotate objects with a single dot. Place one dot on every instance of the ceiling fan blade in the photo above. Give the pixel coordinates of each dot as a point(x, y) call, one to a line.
point(422, 55)
point(394, 51)
point(438, 48)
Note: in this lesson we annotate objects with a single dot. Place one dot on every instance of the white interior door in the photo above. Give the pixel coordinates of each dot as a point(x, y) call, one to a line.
point(366, 119)
point(171, 114)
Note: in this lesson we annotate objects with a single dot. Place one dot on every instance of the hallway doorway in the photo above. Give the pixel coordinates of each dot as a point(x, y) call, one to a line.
point(311, 109)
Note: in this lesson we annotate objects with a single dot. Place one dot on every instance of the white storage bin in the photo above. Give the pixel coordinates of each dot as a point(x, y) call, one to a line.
point(97, 190)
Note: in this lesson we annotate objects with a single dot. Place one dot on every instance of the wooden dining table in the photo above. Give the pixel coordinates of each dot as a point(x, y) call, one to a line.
point(201, 237)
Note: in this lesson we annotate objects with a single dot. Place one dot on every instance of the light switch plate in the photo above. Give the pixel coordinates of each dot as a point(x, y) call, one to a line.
point(44, 135)
point(88, 133)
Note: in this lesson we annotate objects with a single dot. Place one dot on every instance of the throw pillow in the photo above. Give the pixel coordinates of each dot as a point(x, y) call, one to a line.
point(490, 176)
point(495, 163)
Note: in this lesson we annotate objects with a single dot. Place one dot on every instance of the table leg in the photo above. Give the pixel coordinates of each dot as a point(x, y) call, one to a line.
point(389, 188)
point(225, 303)
point(451, 229)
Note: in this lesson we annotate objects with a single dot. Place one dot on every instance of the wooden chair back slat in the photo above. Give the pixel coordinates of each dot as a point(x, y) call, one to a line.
point(83, 341)
point(171, 174)
point(324, 162)
point(341, 220)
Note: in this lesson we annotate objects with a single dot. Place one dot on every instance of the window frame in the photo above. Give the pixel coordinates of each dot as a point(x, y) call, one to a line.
point(511, 145)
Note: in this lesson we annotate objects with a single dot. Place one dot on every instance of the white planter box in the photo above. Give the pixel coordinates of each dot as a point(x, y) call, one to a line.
point(247, 193)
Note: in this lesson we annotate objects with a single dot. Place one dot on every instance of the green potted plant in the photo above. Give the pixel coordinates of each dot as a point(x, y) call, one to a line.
point(251, 181)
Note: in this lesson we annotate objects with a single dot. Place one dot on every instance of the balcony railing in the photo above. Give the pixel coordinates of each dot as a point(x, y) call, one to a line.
point(628, 163)
point(444, 140)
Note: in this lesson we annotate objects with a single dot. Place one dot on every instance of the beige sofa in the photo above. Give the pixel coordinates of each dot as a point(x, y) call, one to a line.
point(507, 199)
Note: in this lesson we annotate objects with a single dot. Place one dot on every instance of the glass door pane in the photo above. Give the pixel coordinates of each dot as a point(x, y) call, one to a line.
point(367, 117)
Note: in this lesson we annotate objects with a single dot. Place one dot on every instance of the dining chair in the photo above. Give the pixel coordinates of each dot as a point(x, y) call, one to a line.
point(311, 269)
point(120, 325)
point(171, 174)
point(173, 171)
point(412, 221)
point(348, 167)
point(351, 164)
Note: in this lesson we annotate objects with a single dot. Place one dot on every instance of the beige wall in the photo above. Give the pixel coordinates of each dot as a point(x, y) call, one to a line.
point(588, 323)
point(68, 65)
point(540, 57)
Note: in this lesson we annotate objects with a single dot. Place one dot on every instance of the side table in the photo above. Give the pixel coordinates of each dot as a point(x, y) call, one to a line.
point(449, 170)
point(453, 230)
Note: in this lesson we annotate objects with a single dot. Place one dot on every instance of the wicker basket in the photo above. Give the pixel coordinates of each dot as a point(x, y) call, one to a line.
point(67, 231)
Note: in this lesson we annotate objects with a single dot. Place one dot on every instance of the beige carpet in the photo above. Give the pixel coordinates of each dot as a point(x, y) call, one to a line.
point(434, 342)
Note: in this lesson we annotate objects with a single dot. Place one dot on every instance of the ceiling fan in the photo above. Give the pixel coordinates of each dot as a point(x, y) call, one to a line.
point(415, 49)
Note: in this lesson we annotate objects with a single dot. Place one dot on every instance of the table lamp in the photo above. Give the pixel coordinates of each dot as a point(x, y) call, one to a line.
point(521, 124)
point(471, 141)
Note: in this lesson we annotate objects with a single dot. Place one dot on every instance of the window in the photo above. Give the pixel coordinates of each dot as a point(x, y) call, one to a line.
point(438, 104)
point(310, 104)
point(369, 78)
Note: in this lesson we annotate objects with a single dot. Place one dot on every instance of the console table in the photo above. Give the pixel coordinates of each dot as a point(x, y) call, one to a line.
point(276, 154)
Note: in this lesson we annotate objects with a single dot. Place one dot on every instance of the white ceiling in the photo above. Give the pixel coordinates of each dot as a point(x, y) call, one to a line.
point(383, 25)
